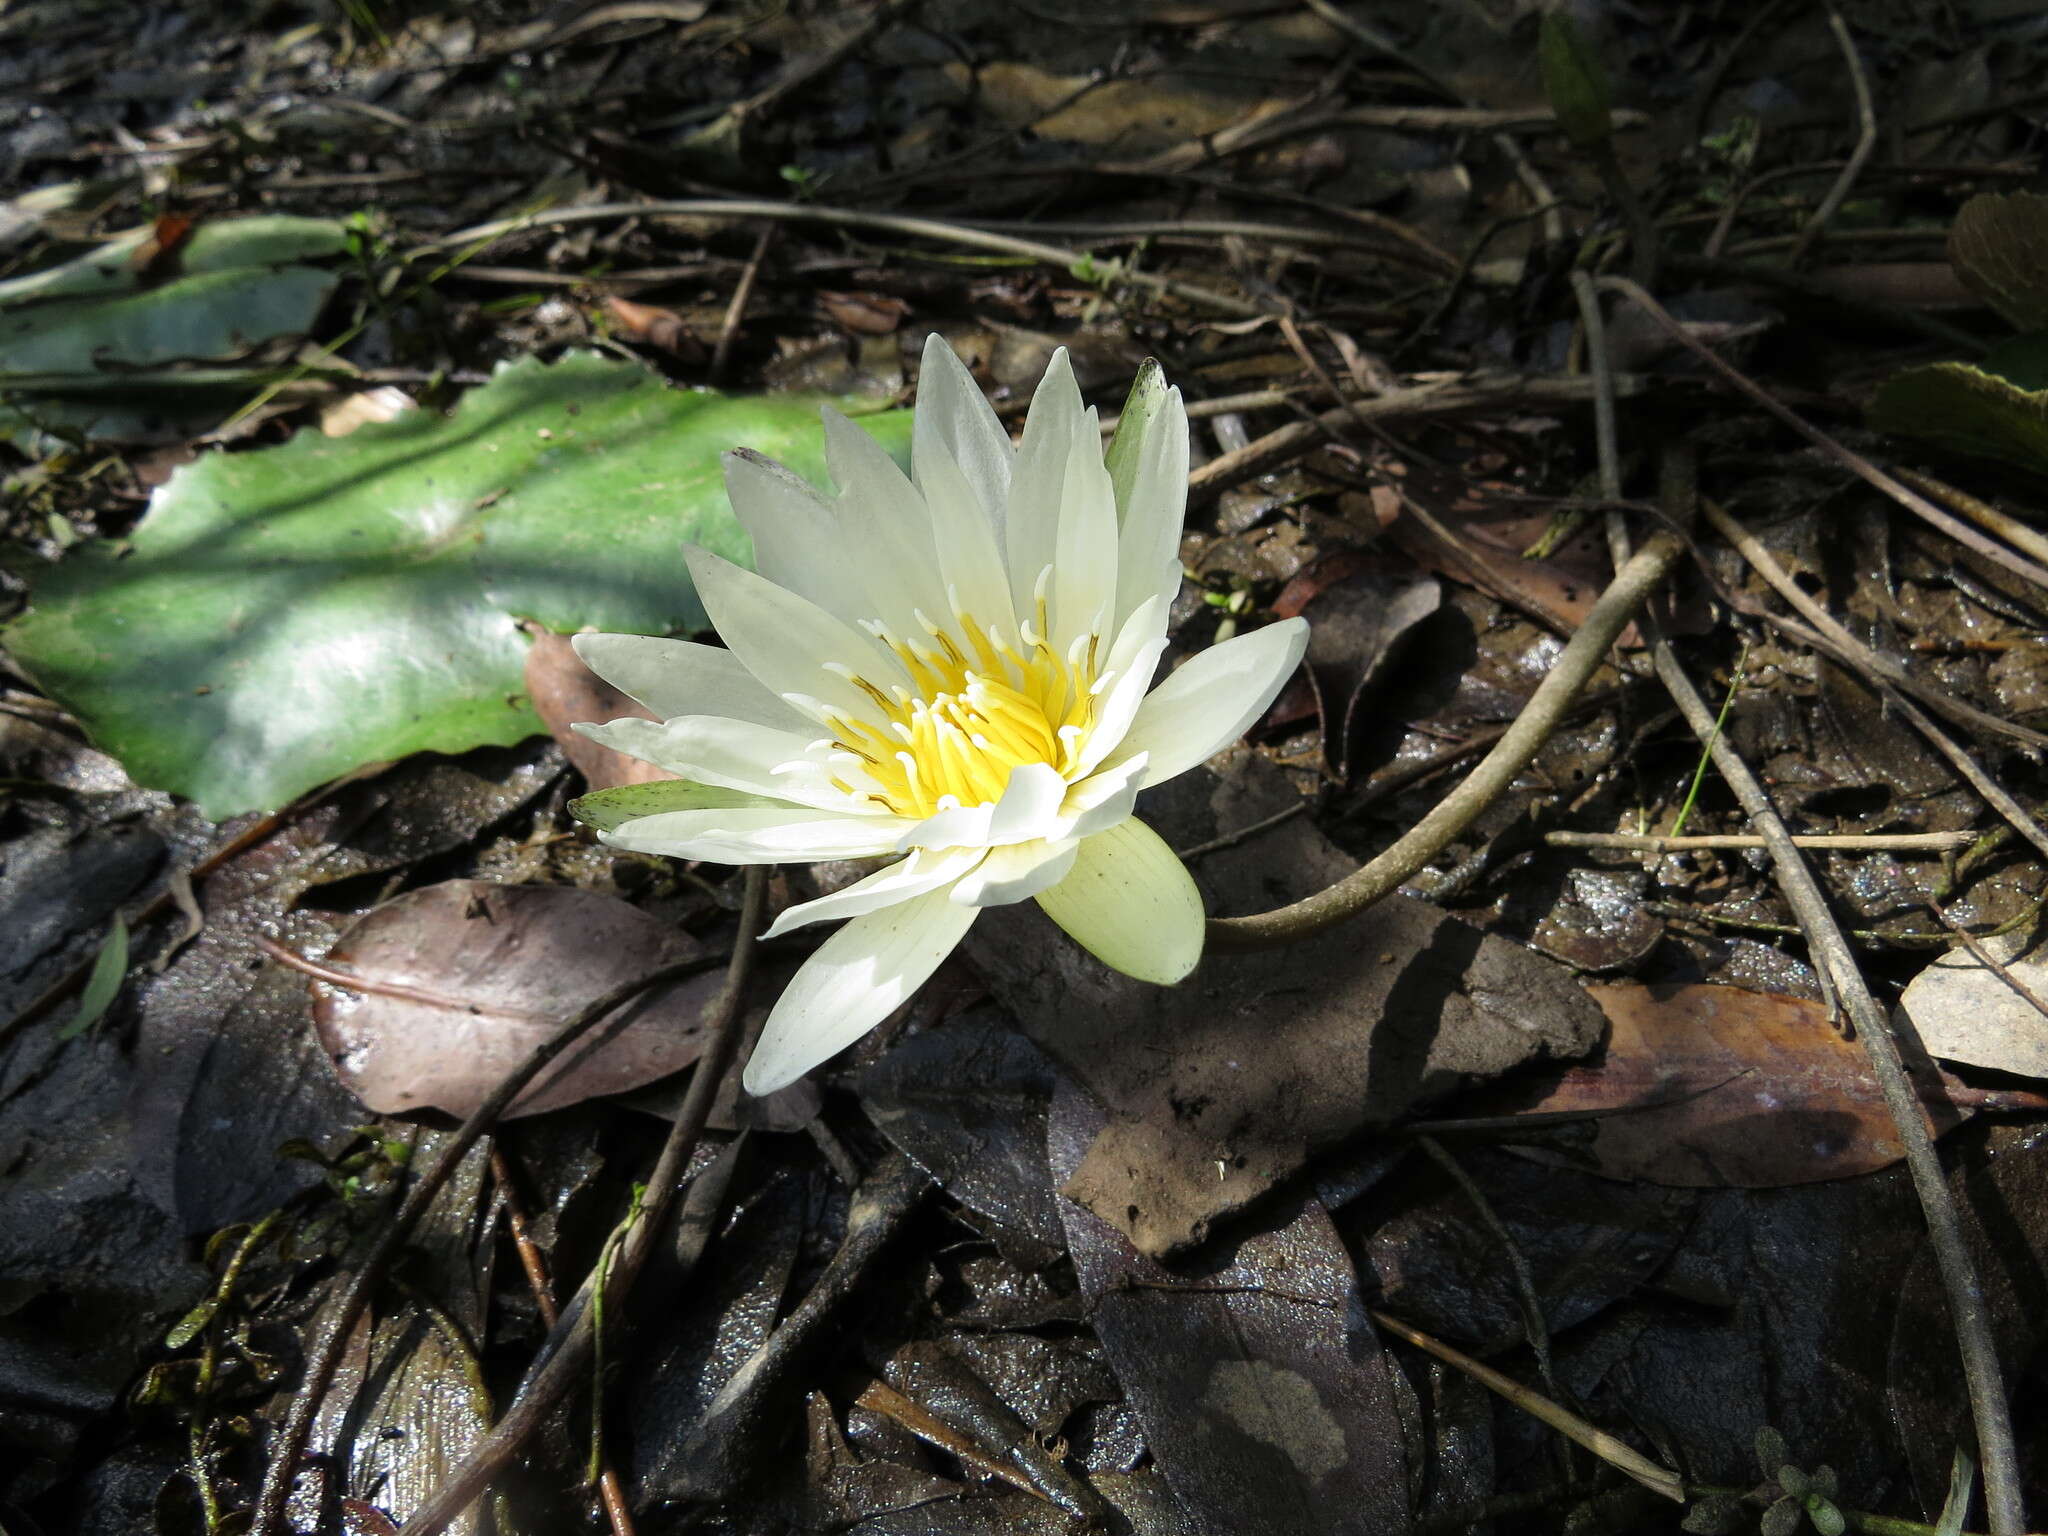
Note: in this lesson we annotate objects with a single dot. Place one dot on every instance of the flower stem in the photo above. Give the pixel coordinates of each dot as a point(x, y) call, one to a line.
point(1552, 699)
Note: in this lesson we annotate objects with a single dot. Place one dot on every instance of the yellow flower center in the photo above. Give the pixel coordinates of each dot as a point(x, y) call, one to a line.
point(977, 714)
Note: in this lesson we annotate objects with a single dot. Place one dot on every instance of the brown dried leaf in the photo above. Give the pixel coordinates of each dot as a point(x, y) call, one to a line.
point(460, 981)
point(565, 693)
point(865, 314)
point(1707, 1086)
point(657, 327)
point(1266, 1400)
point(1222, 1087)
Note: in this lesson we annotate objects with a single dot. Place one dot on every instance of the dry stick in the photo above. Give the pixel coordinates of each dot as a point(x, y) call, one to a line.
point(1657, 1479)
point(326, 1353)
point(1864, 842)
point(1866, 141)
point(1832, 636)
point(2028, 541)
point(567, 1354)
point(736, 311)
point(1263, 453)
point(738, 209)
point(1995, 795)
point(1848, 458)
point(609, 1487)
point(1944, 1224)
point(1846, 988)
point(1553, 697)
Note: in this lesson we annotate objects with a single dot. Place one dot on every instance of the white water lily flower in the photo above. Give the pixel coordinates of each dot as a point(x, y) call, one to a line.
point(953, 668)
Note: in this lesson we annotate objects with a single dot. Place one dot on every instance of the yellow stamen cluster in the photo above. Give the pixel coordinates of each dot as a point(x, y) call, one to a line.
point(978, 713)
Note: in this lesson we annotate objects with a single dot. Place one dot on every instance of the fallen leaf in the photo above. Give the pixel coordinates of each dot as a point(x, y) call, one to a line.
point(865, 314)
point(1223, 1086)
point(565, 693)
point(460, 981)
point(1266, 1400)
point(2004, 1210)
point(1702, 1086)
point(967, 1104)
point(1962, 1010)
point(657, 327)
point(1357, 622)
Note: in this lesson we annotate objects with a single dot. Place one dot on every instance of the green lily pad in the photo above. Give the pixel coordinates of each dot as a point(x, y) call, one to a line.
point(74, 337)
point(1969, 410)
point(281, 617)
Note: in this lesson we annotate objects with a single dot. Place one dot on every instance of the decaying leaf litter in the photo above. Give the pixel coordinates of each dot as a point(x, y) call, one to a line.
point(1055, 1251)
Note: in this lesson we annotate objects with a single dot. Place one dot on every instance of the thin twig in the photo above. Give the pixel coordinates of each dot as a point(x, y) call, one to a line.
point(1866, 141)
point(1832, 636)
point(2028, 541)
point(1615, 1453)
point(1831, 949)
point(1518, 745)
point(1244, 833)
point(1264, 453)
point(740, 209)
point(572, 1343)
point(1995, 794)
point(1848, 458)
point(736, 311)
point(1534, 1325)
point(1860, 842)
point(325, 1354)
point(611, 1491)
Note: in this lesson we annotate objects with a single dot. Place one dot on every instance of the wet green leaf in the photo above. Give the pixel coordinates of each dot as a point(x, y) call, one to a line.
point(609, 809)
point(1967, 409)
point(1574, 81)
point(109, 970)
point(282, 617)
point(73, 337)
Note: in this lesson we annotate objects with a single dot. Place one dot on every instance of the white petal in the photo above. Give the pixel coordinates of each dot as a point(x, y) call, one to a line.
point(969, 549)
point(681, 677)
point(786, 640)
point(796, 536)
point(882, 515)
point(1031, 531)
point(738, 754)
point(1151, 482)
point(1030, 806)
point(922, 871)
point(1129, 667)
point(1012, 873)
point(797, 835)
point(956, 424)
point(1099, 803)
point(1084, 566)
point(856, 979)
point(1131, 903)
point(1213, 698)
point(964, 826)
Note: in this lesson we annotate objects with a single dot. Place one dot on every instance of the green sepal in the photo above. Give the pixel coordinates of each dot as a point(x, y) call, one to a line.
point(609, 809)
